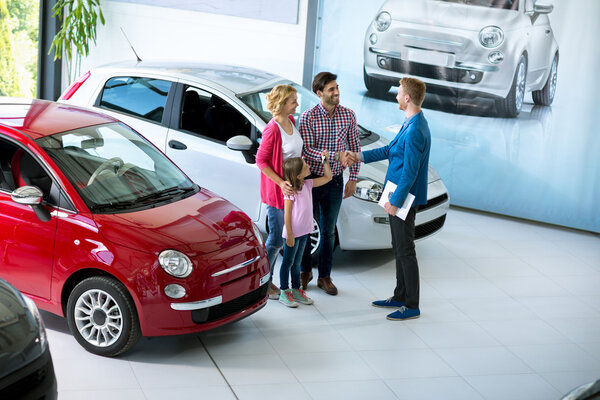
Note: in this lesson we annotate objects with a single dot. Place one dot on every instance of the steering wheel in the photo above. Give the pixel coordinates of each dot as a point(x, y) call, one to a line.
point(106, 165)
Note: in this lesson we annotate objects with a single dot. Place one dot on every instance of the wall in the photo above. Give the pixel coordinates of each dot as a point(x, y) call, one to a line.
point(175, 34)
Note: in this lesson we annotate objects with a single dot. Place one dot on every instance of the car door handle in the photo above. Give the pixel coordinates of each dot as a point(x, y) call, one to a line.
point(177, 145)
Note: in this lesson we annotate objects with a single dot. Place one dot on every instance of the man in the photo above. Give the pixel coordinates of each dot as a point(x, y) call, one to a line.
point(408, 155)
point(327, 126)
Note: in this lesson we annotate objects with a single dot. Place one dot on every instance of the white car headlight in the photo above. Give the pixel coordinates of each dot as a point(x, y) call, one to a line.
point(43, 340)
point(383, 21)
point(367, 189)
point(491, 36)
point(257, 234)
point(175, 263)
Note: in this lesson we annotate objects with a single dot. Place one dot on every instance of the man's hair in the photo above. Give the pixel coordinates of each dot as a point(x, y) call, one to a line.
point(278, 96)
point(322, 79)
point(292, 167)
point(415, 88)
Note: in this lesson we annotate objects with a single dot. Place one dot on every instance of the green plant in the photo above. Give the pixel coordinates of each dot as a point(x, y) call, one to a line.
point(78, 27)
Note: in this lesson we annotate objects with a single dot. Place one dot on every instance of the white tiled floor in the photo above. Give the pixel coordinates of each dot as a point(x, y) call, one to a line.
point(510, 310)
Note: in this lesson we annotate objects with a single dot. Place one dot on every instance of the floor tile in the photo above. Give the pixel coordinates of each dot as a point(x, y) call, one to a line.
point(117, 394)
point(509, 267)
point(513, 387)
point(450, 388)
point(529, 286)
point(483, 361)
point(288, 391)
point(204, 392)
point(407, 363)
point(453, 334)
point(254, 369)
point(356, 390)
point(379, 335)
point(466, 288)
point(564, 382)
point(493, 309)
point(328, 367)
point(522, 332)
point(556, 358)
point(579, 330)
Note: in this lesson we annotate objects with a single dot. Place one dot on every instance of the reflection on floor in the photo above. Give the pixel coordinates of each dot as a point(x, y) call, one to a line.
point(510, 310)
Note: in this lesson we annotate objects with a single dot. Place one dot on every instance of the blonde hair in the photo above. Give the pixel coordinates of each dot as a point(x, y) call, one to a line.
point(415, 88)
point(278, 96)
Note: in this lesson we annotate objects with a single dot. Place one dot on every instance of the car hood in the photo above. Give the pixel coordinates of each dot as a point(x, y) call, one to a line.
point(200, 224)
point(377, 170)
point(450, 15)
point(18, 332)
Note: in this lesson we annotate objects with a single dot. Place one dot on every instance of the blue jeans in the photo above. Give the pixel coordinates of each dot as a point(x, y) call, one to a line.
point(274, 240)
point(292, 258)
point(327, 200)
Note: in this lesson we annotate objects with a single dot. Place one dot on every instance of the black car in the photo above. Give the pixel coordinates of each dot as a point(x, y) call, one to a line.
point(26, 369)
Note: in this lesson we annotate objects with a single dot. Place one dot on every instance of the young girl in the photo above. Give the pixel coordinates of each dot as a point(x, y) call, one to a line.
point(298, 220)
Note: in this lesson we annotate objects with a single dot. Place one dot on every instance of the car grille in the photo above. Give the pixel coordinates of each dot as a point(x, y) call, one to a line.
point(35, 381)
point(430, 71)
point(432, 203)
point(231, 307)
point(429, 227)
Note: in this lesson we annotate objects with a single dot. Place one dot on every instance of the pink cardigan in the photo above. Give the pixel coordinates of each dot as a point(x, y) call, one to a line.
point(269, 154)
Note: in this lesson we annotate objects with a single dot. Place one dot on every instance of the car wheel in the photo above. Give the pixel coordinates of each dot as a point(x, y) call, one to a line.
point(376, 86)
point(545, 96)
point(102, 316)
point(512, 104)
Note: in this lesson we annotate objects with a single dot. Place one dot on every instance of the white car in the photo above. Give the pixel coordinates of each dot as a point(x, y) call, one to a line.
point(208, 119)
point(498, 49)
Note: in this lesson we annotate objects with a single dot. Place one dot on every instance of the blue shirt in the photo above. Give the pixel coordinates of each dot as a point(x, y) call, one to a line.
point(408, 154)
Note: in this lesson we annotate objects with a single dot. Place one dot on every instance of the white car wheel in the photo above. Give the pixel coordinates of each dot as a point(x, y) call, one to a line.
point(511, 105)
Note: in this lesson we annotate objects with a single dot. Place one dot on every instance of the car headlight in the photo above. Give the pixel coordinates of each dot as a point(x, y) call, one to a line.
point(491, 36)
point(257, 233)
point(175, 263)
point(367, 189)
point(42, 339)
point(383, 21)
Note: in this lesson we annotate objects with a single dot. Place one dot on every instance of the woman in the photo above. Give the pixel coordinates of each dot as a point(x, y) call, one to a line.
point(280, 141)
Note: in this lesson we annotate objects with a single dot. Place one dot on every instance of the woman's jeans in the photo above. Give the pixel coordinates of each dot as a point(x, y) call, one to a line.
point(274, 240)
point(292, 258)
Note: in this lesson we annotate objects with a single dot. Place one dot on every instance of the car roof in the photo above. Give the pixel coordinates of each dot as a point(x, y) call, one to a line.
point(237, 79)
point(40, 118)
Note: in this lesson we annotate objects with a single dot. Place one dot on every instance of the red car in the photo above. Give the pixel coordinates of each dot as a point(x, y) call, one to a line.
point(97, 225)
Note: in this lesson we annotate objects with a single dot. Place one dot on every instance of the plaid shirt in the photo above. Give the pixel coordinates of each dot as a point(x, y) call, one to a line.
point(336, 134)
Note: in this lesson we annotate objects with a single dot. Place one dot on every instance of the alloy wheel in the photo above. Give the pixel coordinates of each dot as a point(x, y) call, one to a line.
point(98, 318)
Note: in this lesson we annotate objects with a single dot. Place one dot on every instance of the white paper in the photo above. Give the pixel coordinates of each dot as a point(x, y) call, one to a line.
point(388, 191)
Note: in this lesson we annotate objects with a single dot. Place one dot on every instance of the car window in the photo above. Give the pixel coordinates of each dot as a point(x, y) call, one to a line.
point(140, 97)
point(206, 114)
point(20, 168)
point(114, 169)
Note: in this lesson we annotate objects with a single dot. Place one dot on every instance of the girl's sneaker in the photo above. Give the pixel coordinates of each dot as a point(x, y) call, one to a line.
point(301, 297)
point(287, 298)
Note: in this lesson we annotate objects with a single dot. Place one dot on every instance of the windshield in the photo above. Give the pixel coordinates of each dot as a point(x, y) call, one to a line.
point(503, 4)
point(116, 170)
point(257, 101)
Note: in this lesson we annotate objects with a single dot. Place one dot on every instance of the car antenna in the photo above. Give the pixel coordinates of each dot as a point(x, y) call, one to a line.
point(130, 45)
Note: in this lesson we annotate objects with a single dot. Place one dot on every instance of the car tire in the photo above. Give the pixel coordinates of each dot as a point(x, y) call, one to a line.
point(511, 105)
point(93, 304)
point(545, 96)
point(376, 86)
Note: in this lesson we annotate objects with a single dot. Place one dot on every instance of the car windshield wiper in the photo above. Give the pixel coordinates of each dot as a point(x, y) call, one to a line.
point(169, 192)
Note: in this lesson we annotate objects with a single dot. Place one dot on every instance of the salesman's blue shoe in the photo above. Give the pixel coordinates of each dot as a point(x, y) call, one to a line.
point(388, 303)
point(404, 313)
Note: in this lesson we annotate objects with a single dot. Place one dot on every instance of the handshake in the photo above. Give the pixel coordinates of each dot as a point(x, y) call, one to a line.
point(349, 158)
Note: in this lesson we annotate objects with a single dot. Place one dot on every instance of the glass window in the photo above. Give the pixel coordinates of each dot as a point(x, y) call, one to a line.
point(140, 97)
point(504, 4)
point(116, 170)
point(209, 115)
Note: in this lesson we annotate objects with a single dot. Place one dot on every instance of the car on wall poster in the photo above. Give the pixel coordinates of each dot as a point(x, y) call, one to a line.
point(497, 49)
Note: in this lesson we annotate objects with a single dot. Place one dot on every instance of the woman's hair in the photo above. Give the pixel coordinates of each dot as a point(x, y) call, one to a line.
point(277, 97)
point(292, 167)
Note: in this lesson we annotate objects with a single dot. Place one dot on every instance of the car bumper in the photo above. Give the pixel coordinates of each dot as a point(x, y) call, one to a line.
point(36, 380)
point(364, 225)
point(442, 58)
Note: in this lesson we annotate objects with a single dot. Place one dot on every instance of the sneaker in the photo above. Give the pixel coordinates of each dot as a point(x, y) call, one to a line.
point(388, 303)
point(404, 313)
point(301, 297)
point(274, 292)
point(287, 298)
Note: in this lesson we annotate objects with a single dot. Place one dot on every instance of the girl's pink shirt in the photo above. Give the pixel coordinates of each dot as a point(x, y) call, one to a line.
point(269, 154)
point(302, 210)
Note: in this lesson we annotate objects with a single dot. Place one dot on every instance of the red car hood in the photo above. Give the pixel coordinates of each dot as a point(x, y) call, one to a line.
point(197, 225)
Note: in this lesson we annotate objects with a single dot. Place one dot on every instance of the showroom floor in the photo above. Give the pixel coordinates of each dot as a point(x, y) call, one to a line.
point(510, 310)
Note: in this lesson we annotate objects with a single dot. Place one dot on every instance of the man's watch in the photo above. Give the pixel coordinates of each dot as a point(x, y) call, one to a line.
point(337, 156)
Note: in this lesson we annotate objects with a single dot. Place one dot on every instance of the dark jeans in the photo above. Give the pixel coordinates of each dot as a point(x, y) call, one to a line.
point(274, 240)
point(407, 268)
point(327, 200)
point(291, 263)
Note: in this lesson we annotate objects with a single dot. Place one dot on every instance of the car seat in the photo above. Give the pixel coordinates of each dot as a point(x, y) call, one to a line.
point(224, 121)
point(192, 114)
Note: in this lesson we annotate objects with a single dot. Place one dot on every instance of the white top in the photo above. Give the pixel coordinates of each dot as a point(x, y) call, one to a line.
point(291, 145)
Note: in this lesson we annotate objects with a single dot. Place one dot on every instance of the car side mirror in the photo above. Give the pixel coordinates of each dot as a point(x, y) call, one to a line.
point(542, 8)
point(239, 143)
point(31, 196)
